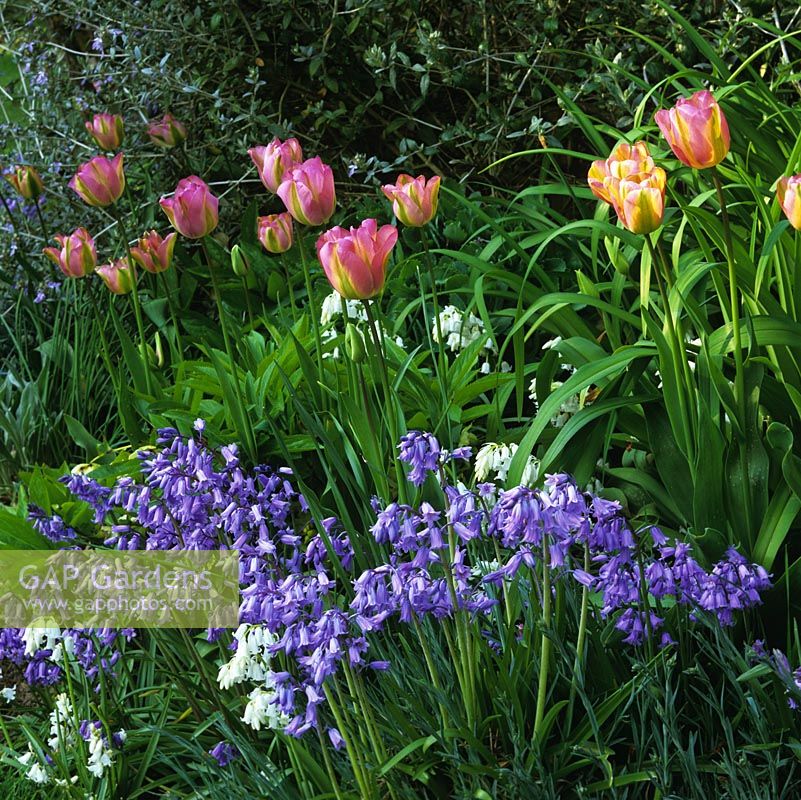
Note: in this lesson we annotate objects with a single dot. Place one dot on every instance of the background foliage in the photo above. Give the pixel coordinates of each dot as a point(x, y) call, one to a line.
point(509, 103)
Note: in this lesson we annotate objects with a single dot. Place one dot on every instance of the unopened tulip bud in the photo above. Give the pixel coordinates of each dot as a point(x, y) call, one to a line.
point(354, 344)
point(696, 130)
point(239, 263)
point(76, 255)
point(308, 192)
point(275, 159)
point(100, 181)
point(788, 191)
point(107, 130)
point(275, 232)
point(414, 202)
point(26, 181)
point(167, 132)
point(156, 355)
point(193, 209)
point(118, 276)
point(154, 253)
point(355, 260)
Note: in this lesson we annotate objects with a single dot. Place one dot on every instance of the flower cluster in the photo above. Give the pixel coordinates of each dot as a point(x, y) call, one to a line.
point(303, 619)
point(460, 329)
point(494, 460)
point(41, 650)
point(422, 452)
point(627, 571)
point(100, 749)
point(61, 741)
point(780, 664)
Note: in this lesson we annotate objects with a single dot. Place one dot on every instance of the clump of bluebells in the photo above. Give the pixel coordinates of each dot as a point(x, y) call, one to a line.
point(42, 652)
point(566, 520)
point(778, 663)
point(306, 615)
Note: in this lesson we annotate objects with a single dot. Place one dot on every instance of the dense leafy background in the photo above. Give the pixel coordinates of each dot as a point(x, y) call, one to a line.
point(509, 103)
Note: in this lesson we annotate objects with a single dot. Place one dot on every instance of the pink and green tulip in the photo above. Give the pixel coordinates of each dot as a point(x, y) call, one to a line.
point(154, 253)
point(696, 130)
point(308, 193)
point(118, 276)
point(414, 200)
point(100, 181)
point(355, 260)
point(107, 130)
point(788, 190)
point(273, 160)
point(26, 182)
point(193, 209)
point(76, 254)
point(166, 132)
point(275, 232)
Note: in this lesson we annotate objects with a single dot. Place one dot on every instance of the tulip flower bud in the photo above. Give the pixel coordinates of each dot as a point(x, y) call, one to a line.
point(308, 193)
point(26, 181)
point(354, 344)
point(788, 190)
point(355, 261)
point(76, 255)
point(154, 253)
point(696, 130)
point(119, 276)
point(156, 355)
point(100, 181)
point(239, 264)
point(275, 159)
point(275, 232)
point(193, 209)
point(107, 130)
point(414, 202)
point(166, 133)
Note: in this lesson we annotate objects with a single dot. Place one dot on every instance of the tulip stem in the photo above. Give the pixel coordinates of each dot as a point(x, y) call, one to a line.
point(376, 336)
point(247, 301)
point(289, 289)
point(318, 343)
point(443, 375)
point(173, 315)
point(688, 376)
point(678, 350)
point(247, 433)
point(734, 300)
point(42, 223)
point(103, 340)
point(135, 300)
point(140, 327)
